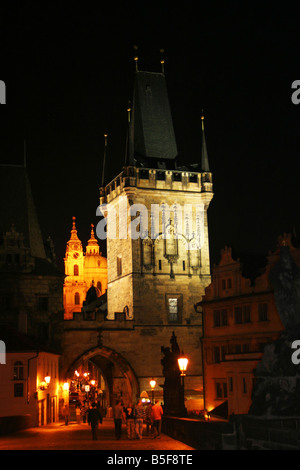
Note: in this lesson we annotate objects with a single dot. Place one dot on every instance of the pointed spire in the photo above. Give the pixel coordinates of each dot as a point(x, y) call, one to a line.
point(162, 60)
point(104, 159)
point(74, 235)
point(92, 240)
point(128, 137)
point(204, 156)
point(136, 58)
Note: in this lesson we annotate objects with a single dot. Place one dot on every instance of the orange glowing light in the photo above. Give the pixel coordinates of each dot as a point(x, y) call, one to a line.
point(182, 363)
point(152, 383)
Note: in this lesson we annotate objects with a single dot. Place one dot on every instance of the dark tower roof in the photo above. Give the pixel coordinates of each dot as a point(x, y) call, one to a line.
point(17, 208)
point(152, 134)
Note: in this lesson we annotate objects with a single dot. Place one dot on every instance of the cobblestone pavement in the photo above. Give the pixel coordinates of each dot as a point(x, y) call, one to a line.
point(58, 436)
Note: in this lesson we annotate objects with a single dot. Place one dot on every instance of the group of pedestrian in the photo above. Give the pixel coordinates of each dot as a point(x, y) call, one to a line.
point(135, 417)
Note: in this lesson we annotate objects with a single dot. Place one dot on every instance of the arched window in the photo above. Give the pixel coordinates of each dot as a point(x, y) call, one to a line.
point(99, 286)
point(76, 270)
point(77, 298)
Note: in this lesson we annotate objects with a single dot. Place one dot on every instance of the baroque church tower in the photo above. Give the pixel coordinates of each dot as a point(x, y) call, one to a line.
point(82, 271)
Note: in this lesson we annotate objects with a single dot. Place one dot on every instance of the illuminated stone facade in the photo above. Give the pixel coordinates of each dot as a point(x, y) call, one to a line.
point(82, 270)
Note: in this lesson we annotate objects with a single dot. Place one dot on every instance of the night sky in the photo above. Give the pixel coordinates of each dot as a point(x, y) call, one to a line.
point(69, 74)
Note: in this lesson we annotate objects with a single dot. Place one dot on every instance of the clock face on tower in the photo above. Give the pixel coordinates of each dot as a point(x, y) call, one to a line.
point(75, 255)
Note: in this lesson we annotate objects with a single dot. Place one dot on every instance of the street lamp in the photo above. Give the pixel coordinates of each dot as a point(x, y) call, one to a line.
point(152, 385)
point(183, 363)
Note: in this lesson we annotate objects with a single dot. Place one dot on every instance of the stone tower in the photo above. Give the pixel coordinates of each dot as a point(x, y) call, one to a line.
point(155, 212)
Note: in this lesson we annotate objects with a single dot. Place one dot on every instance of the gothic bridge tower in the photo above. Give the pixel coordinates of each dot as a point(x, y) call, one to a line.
point(156, 278)
point(157, 259)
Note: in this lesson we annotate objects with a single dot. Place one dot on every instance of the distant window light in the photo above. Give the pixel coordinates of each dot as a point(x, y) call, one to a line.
point(173, 309)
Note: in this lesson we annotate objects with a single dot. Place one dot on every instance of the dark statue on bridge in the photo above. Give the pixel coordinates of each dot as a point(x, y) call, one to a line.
point(173, 388)
point(277, 389)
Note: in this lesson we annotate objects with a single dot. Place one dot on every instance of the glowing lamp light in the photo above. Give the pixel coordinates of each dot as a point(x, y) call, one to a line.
point(93, 383)
point(152, 383)
point(47, 379)
point(66, 386)
point(183, 363)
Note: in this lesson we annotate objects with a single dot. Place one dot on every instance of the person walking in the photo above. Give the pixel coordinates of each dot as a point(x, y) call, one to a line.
point(157, 413)
point(66, 413)
point(148, 419)
point(78, 414)
point(130, 424)
point(83, 412)
point(139, 416)
point(119, 416)
point(93, 419)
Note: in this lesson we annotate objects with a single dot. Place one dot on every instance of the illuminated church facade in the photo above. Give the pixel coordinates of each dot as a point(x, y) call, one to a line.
point(83, 270)
point(153, 280)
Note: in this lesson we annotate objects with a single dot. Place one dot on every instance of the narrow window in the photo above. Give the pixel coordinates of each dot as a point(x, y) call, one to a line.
point(217, 318)
point(262, 312)
point(159, 264)
point(76, 270)
point(173, 309)
point(18, 370)
point(183, 265)
point(119, 266)
point(77, 298)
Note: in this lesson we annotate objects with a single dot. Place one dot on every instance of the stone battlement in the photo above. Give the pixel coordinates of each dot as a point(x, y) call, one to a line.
point(159, 179)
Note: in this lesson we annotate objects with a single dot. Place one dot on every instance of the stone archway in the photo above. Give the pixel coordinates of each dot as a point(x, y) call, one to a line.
point(119, 377)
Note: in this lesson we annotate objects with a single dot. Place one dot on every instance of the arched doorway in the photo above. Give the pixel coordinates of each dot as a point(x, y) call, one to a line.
point(104, 375)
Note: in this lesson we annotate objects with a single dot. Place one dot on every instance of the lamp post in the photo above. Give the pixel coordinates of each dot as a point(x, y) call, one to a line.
point(152, 385)
point(183, 363)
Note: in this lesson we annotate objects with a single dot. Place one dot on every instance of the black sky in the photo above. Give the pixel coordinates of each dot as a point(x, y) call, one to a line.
point(69, 74)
